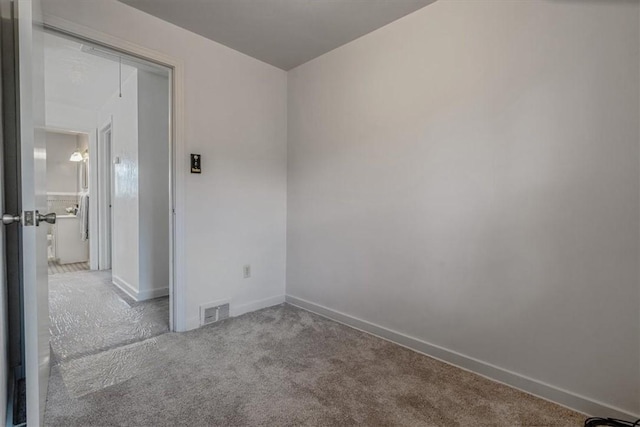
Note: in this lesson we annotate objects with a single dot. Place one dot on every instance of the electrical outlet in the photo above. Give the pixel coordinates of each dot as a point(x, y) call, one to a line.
point(246, 271)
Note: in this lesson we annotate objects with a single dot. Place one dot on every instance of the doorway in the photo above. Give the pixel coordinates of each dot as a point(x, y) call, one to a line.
point(32, 320)
point(120, 215)
point(67, 194)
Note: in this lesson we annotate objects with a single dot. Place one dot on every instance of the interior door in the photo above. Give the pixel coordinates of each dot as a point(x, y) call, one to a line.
point(24, 57)
point(5, 364)
point(34, 199)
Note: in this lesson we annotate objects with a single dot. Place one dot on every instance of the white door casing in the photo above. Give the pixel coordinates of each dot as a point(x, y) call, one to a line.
point(105, 198)
point(178, 164)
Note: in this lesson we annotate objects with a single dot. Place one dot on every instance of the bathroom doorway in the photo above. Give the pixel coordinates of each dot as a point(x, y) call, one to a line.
point(67, 197)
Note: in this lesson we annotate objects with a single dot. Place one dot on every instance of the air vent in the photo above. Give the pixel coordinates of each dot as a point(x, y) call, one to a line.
point(214, 312)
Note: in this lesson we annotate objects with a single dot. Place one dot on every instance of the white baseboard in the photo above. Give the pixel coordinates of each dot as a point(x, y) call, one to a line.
point(237, 310)
point(193, 322)
point(125, 287)
point(152, 293)
point(135, 294)
point(546, 391)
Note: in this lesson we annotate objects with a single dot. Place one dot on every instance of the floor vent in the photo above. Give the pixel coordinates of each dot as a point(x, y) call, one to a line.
point(214, 312)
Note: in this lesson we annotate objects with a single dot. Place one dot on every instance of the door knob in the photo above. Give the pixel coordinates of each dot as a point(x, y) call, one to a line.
point(10, 219)
point(49, 218)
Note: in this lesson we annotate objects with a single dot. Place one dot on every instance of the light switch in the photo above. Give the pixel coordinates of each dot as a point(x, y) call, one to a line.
point(196, 163)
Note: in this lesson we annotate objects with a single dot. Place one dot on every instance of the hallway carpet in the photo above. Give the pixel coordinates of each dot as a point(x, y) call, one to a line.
point(89, 314)
point(282, 366)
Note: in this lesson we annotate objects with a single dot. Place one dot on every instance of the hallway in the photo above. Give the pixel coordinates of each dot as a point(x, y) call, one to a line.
point(90, 315)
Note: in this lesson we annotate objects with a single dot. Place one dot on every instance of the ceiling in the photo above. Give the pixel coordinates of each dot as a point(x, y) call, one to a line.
point(77, 78)
point(283, 33)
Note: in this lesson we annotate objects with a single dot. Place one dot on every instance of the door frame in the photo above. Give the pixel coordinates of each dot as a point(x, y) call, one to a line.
point(177, 162)
point(104, 159)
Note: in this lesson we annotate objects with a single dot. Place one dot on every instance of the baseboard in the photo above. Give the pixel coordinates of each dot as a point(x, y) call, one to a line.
point(546, 391)
point(237, 310)
point(125, 287)
point(152, 293)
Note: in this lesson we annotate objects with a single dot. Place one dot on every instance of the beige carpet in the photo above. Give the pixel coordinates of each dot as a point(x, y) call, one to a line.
point(282, 366)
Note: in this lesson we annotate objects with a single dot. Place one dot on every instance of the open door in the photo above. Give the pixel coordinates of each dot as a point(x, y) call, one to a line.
point(24, 185)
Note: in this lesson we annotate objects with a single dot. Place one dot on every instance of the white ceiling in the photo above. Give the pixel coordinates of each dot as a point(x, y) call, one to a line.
point(284, 33)
point(76, 78)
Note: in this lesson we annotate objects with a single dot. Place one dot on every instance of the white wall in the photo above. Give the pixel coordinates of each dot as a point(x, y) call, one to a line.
point(468, 176)
point(235, 117)
point(62, 174)
point(123, 114)
point(140, 207)
point(153, 182)
point(68, 117)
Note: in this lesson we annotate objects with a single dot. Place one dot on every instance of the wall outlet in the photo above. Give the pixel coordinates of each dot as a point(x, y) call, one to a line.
point(246, 271)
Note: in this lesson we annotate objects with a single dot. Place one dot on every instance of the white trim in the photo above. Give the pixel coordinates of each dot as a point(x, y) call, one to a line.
point(529, 385)
point(125, 287)
point(103, 156)
point(93, 194)
point(128, 289)
point(238, 310)
point(152, 293)
point(54, 129)
point(177, 312)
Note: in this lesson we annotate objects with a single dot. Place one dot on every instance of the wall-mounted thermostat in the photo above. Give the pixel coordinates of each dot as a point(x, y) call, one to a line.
point(196, 163)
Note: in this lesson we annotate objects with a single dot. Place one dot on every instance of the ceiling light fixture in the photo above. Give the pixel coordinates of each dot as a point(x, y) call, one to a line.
point(76, 157)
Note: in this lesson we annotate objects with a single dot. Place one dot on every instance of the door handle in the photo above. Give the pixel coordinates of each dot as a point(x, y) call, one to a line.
point(10, 219)
point(49, 218)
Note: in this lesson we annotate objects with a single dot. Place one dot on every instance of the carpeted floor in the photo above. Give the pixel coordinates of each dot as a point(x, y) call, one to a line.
point(282, 366)
point(89, 314)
